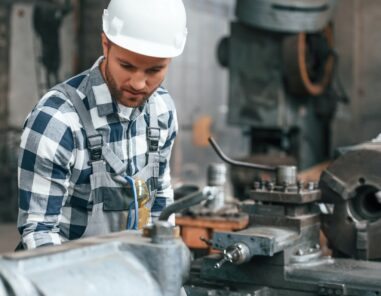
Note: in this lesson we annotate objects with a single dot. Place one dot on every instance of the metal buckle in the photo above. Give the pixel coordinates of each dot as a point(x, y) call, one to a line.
point(94, 144)
point(153, 135)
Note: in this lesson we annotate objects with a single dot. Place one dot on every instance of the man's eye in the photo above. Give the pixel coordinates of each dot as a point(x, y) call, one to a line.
point(126, 66)
point(153, 71)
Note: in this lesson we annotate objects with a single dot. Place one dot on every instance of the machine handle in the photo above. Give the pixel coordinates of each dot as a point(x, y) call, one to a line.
point(230, 161)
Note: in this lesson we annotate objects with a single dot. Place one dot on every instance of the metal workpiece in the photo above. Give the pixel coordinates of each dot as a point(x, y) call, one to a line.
point(291, 16)
point(123, 263)
point(351, 186)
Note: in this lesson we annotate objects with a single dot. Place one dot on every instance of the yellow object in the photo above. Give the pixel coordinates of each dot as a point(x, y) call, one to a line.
point(201, 131)
point(144, 213)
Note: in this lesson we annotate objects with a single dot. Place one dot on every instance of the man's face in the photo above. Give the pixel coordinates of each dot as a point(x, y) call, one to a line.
point(131, 77)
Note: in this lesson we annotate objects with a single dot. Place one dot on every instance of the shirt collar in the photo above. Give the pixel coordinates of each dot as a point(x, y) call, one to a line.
point(105, 103)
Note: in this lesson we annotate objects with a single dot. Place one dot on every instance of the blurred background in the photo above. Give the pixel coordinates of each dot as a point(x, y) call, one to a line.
point(267, 94)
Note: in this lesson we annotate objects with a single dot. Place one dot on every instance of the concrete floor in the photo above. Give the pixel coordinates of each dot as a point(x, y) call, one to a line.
point(9, 237)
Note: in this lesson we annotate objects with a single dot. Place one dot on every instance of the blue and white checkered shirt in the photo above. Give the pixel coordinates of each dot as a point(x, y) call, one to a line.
point(54, 164)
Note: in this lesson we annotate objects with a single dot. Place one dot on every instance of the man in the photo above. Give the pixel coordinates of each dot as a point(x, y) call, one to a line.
point(91, 139)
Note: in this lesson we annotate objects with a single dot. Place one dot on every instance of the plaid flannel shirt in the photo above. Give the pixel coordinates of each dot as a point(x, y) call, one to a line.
point(54, 161)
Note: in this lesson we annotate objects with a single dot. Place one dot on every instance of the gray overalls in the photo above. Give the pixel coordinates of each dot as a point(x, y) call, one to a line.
point(111, 195)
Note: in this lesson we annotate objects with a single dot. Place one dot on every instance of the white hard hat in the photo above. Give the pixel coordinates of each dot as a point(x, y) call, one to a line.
point(154, 28)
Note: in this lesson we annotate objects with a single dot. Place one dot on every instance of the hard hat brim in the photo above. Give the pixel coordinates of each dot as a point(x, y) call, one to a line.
point(145, 47)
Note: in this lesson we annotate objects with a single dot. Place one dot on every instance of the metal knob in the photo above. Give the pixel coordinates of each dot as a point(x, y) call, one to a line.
point(237, 253)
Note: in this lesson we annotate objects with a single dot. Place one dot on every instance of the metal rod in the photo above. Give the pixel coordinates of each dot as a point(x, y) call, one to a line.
point(182, 204)
point(239, 163)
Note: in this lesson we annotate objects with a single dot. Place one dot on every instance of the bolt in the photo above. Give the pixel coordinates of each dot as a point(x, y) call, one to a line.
point(285, 186)
point(270, 186)
point(257, 185)
point(300, 185)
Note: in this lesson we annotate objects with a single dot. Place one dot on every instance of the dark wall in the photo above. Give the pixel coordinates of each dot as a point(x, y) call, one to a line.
point(90, 28)
point(4, 61)
point(8, 170)
point(358, 42)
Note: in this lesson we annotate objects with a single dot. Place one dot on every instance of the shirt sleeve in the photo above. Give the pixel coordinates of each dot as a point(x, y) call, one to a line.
point(164, 196)
point(45, 158)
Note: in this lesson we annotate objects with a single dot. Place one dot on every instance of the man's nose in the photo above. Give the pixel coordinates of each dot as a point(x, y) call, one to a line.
point(138, 81)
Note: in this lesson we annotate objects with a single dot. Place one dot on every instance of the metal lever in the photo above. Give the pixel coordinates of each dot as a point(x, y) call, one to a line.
point(206, 241)
point(228, 160)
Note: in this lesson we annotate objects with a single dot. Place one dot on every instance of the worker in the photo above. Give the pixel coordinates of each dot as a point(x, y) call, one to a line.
point(91, 141)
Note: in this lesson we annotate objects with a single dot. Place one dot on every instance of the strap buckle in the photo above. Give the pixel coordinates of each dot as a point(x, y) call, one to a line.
point(153, 136)
point(95, 144)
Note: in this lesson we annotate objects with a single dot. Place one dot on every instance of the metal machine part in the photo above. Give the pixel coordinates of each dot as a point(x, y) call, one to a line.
point(309, 61)
point(216, 179)
point(352, 186)
point(230, 161)
point(285, 175)
point(286, 15)
point(185, 203)
point(237, 253)
point(279, 252)
point(124, 263)
point(216, 174)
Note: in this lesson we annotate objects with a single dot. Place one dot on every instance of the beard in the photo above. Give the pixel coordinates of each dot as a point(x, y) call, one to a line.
point(118, 94)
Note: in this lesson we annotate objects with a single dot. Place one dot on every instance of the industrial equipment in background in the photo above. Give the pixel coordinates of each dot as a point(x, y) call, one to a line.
point(279, 253)
point(198, 223)
point(47, 21)
point(283, 85)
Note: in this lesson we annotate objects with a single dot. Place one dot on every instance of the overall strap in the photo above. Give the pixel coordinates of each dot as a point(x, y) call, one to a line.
point(153, 137)
point(95, 143)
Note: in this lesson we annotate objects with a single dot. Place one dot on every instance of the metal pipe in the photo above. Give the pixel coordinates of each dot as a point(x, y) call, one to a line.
point(238, 163)
point(182, 204)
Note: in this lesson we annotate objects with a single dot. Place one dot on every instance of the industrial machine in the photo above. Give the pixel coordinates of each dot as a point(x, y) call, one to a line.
point(279, 252)
point(282, 80)
point(125, 263)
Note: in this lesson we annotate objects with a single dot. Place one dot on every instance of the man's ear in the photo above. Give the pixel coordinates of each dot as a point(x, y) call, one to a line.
point(105, 45)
